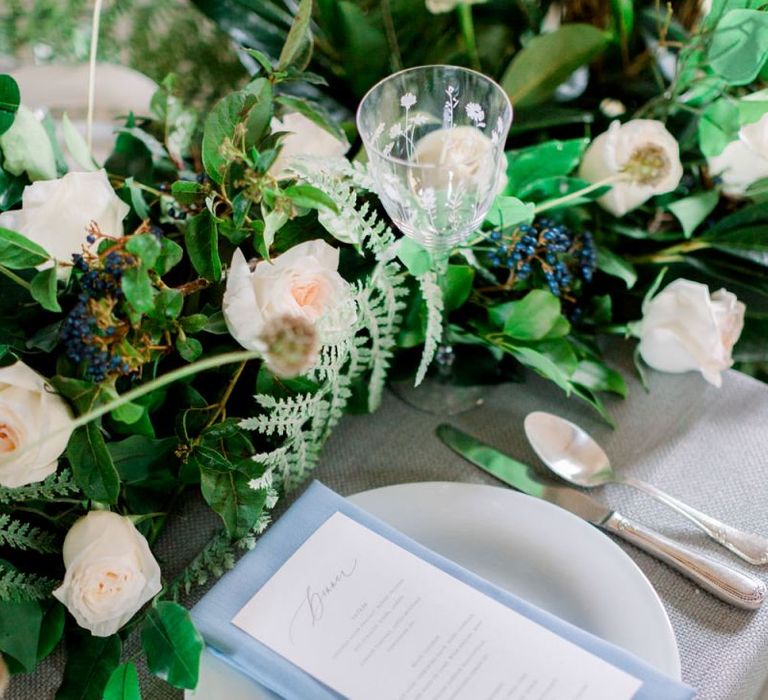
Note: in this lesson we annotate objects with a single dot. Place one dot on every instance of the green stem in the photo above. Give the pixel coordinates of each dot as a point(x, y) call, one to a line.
point(12, 275)
point(674, 253)
point(467, 25)
point(554, 203)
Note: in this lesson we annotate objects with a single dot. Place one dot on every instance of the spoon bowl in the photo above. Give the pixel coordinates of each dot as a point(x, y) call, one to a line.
point(572, 454)
point(567, 450)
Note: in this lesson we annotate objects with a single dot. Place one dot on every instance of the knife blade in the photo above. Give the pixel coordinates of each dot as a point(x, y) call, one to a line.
point(725, 582)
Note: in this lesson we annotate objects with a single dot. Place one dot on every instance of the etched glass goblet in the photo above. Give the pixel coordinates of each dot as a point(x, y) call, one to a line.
point(435, 139)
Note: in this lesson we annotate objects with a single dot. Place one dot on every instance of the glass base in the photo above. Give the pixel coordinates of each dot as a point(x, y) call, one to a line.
point(438, 396)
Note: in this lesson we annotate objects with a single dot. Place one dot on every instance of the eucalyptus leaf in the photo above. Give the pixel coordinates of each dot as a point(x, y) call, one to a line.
point(739, 47)
point(27, 148)
point(548, 60)
point(229, 494)
point(549, 159)
point(614, 265)
point(509, 211)
point(77, 146)
point(691, 211)
point(92, 465)
point(172, 644)
point(9, 101)
point(533, 317)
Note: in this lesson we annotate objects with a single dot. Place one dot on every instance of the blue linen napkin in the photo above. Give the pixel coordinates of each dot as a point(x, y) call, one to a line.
point(214, 613)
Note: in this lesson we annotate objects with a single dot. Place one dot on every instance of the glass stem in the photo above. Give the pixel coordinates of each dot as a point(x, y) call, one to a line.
point(444, 356)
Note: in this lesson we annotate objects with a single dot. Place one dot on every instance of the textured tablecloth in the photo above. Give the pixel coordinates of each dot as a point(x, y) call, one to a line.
point(708, 446)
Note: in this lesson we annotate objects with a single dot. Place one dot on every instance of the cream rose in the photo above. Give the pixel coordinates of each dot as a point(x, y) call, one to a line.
point(743, 161)
point(643, 157)
point(302, 282)
point(110, 572)
point(56, 213)
point(684, 328)
point(30, 410)
point(305, 138)
point(439, 6)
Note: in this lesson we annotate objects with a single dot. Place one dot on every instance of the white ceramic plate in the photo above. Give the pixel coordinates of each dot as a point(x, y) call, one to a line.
point(541, 553)
point(530, 547)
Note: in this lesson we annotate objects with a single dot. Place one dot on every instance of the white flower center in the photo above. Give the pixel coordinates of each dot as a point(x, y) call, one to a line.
point(9, 438)
point(648, 165)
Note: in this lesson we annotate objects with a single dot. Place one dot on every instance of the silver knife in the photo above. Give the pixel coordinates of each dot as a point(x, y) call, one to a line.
point(725, 582)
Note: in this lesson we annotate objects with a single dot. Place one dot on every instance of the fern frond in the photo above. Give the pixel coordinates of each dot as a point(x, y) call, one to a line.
point(433, 298)
point(55, 486)
point(21, 535)
point(216, 557)
point(17, 586)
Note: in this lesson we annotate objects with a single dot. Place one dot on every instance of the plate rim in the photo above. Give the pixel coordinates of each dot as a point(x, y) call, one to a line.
point(600, 537)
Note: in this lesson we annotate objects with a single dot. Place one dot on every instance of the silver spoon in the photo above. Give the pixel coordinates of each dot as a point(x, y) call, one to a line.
point(573, 455)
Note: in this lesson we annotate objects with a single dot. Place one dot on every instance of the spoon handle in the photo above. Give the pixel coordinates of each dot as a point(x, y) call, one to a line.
point(721, 580)
point(750, 547)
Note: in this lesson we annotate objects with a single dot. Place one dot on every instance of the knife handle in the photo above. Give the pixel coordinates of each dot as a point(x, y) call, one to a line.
point(721, 580)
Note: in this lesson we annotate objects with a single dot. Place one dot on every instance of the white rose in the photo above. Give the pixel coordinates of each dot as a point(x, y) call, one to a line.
point(684, 328)
point(29, 411)
point(305, 139)
point(110, 572)
point(743, 161)
point(56, 214)
point(439, 6)
point(643, 157)
point(302, 282)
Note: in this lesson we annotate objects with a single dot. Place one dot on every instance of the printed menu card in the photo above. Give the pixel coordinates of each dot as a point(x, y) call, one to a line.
point(371, 620)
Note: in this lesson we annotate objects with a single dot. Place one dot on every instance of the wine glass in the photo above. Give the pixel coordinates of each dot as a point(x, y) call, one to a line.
point(435, 139)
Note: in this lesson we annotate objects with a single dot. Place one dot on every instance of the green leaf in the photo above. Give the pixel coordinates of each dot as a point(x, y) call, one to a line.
point(123, 684)
point(43, 289)
point(136, 195)
point(718, 126)
point(27, 148)
point(202, 242)
point(691, 211)
point(739, 46)
point(187, 192)
point(18, 252)
point(129, 413)
point(189, 348)
point(457, 286)
point(531, 318)
point(143, 460)
point(51, 630)
point(20, 631)
point(543, 366)
point(610, 263)
point(310, 197)
point(549, 159)
point(297, 50)
point(172, 644)
point(145, 247)
point(138, 289)
point(171, 254)
point(251, 106)
point(92, 465)
point(229, 494)
point(168, 304)
point(548, 60)
point(77, 146)
point(9, 101)
point(750, 243)
point(558, 186)
point(90, 663)
point(194, 323)
point(598, 377)
point(509, 211)
point(414, 256)
point(314, 112)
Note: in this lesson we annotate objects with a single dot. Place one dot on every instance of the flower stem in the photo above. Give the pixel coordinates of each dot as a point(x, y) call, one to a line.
point(92, 73)
point(554, 203)
point(222, 405)
point(467, 25)
point(12, 275)
point(672, 254)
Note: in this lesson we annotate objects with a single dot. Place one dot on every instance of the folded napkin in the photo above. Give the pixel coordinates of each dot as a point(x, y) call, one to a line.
point(214, 613)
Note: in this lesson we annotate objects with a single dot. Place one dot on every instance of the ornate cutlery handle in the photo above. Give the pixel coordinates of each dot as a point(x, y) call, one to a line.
point(721, 580)
point(750, 547)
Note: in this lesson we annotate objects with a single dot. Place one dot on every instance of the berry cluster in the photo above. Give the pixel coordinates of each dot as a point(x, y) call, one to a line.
point(562, 256)
point(91, 332)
